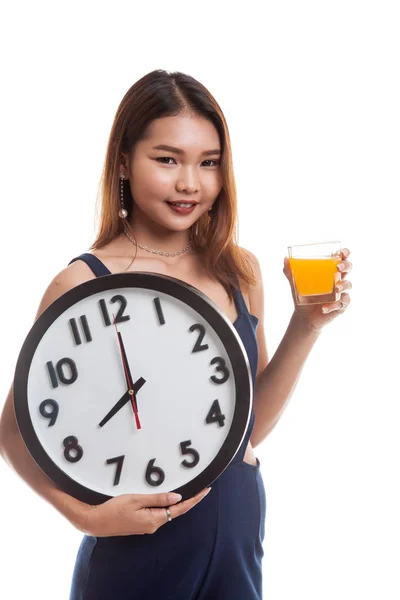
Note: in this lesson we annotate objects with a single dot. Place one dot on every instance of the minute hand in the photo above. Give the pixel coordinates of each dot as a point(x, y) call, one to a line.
point(128, 375)
point(122, 401)
point(127, 372)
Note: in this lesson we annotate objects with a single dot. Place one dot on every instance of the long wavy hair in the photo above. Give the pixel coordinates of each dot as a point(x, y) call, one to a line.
point(161, 94)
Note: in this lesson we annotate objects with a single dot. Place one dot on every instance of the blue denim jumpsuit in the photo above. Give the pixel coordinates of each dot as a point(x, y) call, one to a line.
point(212, 552)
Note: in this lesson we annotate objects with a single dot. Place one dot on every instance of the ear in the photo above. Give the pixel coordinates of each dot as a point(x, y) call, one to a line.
point(123, 158)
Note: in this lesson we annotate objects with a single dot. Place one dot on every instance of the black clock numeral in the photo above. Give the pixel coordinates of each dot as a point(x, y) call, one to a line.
point(71, 444)
point(120, 461)
point(185, 449)
point(154, 471)
point(75, 330)
point(52, 414)
point(215, 415)
point(221, 367)
point(120, 317)
point(198, 345)
point(159, 310)
point(59, 371)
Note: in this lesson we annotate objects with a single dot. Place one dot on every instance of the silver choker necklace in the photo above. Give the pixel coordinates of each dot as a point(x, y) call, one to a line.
point(156, 251)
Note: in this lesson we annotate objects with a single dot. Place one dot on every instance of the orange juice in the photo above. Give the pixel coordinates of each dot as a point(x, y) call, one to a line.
point(314, 276)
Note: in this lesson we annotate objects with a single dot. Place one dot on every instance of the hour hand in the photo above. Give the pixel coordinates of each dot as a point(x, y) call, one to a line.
point(122, 401)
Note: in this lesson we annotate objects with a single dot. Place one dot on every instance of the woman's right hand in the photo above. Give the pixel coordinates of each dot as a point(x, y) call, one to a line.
point(133, 514)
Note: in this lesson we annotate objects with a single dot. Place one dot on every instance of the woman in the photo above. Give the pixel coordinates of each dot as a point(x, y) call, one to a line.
point(169, 145)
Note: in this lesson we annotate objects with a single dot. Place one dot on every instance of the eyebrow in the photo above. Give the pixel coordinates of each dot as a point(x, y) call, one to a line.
point(179, 151)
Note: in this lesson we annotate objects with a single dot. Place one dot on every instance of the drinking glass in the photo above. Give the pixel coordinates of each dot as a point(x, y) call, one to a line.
point(314, 272)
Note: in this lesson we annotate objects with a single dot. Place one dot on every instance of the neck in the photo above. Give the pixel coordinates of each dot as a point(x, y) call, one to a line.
point(167, 243)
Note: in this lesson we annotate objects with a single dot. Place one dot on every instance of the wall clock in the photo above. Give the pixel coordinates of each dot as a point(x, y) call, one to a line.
point(132, 383)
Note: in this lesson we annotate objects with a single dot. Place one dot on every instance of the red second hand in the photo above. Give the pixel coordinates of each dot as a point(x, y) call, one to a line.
point(133, 394)
point(128, 380)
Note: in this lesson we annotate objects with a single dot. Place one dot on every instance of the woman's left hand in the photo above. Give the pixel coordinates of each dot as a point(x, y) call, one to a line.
point(312, 315)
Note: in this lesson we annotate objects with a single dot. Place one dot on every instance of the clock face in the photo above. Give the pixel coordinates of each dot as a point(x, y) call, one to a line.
point(182, 360)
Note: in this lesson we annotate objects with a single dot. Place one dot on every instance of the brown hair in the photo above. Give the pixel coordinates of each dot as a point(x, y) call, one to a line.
point(160, 94)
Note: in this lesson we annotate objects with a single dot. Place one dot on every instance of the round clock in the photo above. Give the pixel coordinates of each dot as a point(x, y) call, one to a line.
point(133, 383)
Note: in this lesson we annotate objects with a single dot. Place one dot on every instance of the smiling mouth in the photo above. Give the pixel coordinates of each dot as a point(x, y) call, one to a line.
point(182, 204)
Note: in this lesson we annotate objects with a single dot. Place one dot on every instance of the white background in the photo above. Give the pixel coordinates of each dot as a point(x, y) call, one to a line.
point(311, 94)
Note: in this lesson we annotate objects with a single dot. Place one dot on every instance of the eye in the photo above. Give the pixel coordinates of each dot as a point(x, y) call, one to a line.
point(216, 162)
point(161, 158)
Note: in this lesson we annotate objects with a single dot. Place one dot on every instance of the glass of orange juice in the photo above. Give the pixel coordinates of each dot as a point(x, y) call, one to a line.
point(314, 272)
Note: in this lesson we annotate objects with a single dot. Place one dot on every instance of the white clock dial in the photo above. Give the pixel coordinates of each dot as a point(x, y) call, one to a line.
point(186, 358)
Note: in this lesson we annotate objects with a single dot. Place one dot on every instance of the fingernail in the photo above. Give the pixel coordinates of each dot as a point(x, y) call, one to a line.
point(173, 497)
point(325, 310)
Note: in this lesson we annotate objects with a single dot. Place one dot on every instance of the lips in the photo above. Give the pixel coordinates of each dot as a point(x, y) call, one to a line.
point(179, 209)
point(181, 202)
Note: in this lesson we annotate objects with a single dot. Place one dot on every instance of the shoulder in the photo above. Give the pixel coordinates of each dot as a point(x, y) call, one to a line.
point(74, 274)
point(256, 301)
point(255, 292)
point(255, 264)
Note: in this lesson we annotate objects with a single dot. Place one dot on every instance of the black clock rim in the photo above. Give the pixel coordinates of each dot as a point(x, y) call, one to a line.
point(181, 290)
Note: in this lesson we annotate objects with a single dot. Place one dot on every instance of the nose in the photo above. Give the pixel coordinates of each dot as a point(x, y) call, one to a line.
point(187, 181)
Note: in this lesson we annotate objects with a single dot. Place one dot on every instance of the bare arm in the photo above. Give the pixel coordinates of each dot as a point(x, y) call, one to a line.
point(14, 451)
point(277, 377)
point(276, 383)
point(12, 447)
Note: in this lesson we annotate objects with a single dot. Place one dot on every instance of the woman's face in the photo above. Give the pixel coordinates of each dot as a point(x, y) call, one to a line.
point(190, 173)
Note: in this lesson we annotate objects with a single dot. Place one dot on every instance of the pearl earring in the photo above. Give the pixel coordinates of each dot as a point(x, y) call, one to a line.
point(122, 213)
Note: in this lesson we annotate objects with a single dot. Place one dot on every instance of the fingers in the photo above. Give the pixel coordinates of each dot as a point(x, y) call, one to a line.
point(338, 306)
point(345, 266)
point(344, 302)
point(159, 515)
point(150, 500)
point(343, 285)
point(179, 509)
